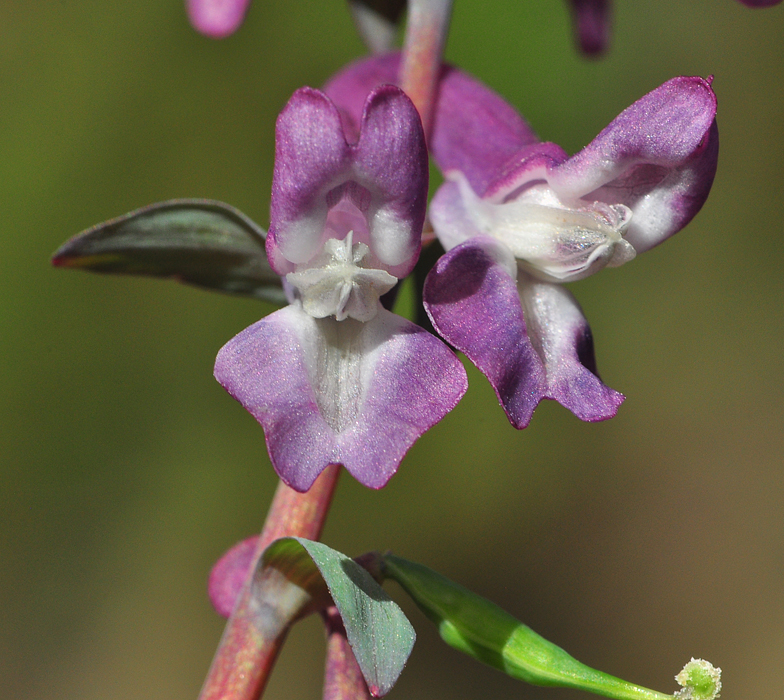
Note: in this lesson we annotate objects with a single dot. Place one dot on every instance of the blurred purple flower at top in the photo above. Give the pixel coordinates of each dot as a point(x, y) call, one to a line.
point(335, 378)
point(217, 18)
point(591, 21)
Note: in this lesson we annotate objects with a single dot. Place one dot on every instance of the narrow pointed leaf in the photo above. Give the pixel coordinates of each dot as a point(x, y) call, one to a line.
point(484, 631)
point(380, 635)
point(201, 242)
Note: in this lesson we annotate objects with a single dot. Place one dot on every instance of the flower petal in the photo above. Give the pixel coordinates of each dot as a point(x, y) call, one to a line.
point(529, 338)
point(312, 157)
point(658, 157)
point(474, 129)
point(349, 87)
point(563, 339)
point(391, 162)
point(229, 574)
point(471, 298)
point(217, 18)
point(450, 219)
point(340, 392)
point(591, 25)
point(384, 176)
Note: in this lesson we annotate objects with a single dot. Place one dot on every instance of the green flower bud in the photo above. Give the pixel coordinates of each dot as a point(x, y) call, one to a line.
point(700, 680)
point(481, 629)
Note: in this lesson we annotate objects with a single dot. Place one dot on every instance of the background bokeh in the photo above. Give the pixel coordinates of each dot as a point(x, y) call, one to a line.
point(125, 470)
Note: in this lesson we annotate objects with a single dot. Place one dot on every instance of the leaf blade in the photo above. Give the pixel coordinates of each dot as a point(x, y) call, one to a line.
point(379, 634)
point(201, 242)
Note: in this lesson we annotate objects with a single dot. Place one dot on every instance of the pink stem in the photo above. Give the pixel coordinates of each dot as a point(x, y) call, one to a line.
point(342, 678)
point(247, 651)
point(426, 30)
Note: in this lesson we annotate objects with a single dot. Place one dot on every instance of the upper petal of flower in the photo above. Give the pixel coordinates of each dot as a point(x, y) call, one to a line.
point(658, 157)
point(383, 177)
point(217, 18)
point(340, 392)
point(474, 129)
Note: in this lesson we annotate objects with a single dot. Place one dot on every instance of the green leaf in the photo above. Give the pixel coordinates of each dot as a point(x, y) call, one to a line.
point(201, 242)
point(481, 629)
point(379, 634)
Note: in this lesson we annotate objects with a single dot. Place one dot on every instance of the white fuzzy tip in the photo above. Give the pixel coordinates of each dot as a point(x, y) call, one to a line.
point(700, 680)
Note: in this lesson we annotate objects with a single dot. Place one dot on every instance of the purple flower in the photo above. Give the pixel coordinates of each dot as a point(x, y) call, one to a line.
point(591, 21)
point(519, 218)
point(334, 378)
point(516, 230)
point(217, 18)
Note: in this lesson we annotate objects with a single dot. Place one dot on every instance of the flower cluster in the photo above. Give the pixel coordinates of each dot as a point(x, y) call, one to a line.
point(519, 218)
point(334, 377)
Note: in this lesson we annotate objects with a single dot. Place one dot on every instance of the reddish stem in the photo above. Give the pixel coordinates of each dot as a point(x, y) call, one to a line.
point(426, 30)
point(343, 679)
point(247, 651)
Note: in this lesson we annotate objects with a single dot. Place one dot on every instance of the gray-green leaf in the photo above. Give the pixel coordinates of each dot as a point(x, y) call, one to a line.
point(201, 242)
point(379, 634)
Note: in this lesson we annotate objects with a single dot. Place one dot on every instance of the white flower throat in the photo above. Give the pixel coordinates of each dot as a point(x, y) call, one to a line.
point(338, 282)
point(551, 240)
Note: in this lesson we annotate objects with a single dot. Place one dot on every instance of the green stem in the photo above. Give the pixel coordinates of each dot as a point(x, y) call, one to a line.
point(249, 647)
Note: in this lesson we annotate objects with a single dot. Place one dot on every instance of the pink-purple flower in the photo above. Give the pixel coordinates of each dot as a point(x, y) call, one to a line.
point(217, 18)
point(515, 231)
point(334, 377)
point(519, 218)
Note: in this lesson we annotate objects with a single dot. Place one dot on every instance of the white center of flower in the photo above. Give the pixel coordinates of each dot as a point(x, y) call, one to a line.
point(337, 282)
point(550, 240)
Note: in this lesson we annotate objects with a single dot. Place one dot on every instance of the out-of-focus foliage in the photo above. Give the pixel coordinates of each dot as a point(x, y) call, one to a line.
point(126, 470)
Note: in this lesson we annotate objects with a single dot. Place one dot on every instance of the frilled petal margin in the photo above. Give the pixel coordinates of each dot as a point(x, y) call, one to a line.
point(529, 338)
point(340, 392)
point(229, 574)
point(217, 18)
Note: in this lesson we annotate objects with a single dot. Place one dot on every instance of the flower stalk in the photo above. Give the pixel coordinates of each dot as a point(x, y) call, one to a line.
point(423, 50)
point(249, 647)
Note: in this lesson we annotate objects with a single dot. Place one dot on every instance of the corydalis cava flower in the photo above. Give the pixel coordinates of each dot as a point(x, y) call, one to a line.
point(519, 217)
point(335, 378)
point(514, 232)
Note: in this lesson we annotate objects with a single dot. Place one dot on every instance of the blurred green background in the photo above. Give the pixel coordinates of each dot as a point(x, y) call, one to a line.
point(126, 470)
